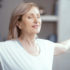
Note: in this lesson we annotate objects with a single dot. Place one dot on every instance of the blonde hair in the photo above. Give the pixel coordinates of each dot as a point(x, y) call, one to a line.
point(14, 31)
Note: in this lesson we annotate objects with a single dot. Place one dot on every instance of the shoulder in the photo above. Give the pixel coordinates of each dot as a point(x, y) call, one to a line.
point(6, 44)
point(45, 41)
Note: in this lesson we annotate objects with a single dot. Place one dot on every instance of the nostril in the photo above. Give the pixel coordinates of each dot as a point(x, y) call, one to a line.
point(36, 22)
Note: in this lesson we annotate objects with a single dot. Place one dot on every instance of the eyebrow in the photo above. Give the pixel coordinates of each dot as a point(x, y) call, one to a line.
point(33, 14)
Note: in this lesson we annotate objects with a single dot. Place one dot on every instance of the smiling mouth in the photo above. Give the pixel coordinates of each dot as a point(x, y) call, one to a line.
point(35, 26)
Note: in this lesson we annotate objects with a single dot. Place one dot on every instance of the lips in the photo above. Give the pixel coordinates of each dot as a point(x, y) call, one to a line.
point(35, 26)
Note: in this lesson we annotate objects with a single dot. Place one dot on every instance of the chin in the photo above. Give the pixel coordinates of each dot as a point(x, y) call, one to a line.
point(36, 32)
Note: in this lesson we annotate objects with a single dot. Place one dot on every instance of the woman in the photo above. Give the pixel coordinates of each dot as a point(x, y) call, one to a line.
point(23, 50)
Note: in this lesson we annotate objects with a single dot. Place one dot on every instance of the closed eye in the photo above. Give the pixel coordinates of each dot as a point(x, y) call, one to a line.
point(29, 17)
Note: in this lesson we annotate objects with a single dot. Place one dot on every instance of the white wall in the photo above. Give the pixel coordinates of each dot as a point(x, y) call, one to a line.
point(5, 12)
point(64, 20)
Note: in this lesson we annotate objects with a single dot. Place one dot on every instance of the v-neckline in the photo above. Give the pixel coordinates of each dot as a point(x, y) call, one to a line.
point(35, 56)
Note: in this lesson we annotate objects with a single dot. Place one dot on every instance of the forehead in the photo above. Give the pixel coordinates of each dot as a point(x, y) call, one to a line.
point(33, 10)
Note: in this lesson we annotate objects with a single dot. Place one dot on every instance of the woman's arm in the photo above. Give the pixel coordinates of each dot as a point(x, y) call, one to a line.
point(62, 47)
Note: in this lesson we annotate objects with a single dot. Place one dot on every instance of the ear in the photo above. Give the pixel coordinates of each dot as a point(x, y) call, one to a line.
point(19, 25)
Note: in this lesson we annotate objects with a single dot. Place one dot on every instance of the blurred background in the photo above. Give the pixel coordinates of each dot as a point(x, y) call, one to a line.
point(55, 16)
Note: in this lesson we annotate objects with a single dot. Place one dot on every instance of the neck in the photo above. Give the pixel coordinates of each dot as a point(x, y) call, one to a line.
point(28, 42)
point(28, 38)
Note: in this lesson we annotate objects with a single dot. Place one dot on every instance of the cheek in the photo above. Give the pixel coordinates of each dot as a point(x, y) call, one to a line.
point(27, 26)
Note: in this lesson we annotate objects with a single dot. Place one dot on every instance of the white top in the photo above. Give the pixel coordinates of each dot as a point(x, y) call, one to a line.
point(14, 57)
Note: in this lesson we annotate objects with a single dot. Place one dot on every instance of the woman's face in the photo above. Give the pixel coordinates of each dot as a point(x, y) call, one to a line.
point(31, 21)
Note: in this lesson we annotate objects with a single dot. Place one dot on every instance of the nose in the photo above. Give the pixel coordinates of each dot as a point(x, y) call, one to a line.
point(35, 20)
